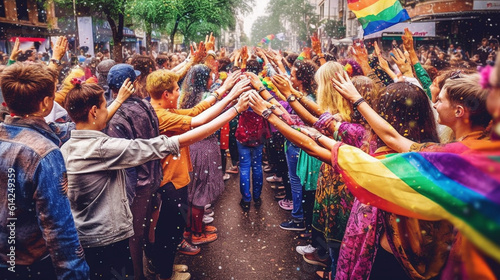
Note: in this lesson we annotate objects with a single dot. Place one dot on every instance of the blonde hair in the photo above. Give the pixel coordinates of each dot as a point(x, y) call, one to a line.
point(328, 98)
point(67, 85)
point(160, 81)
point(466, 90)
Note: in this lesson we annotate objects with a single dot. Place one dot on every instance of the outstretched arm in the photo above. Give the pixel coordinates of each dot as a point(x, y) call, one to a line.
point(215, 110)
point(381, 127)
point(307, 109)
point(299, 139)
point(203, 131)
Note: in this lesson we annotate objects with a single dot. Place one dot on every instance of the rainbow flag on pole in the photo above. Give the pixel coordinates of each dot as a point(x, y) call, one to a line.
point(377, 15)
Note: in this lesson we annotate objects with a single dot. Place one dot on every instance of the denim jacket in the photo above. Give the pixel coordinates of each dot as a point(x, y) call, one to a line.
point(33, 197)
point(96, 166)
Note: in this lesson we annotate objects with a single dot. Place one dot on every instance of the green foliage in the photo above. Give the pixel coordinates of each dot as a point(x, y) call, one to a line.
point(265, 25)
point(334, 28)
point(193, 18)
point(297, 15)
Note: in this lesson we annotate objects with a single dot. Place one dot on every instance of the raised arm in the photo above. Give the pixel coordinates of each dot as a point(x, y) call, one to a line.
point(316, 46)
point(381, 127)
point(15, 53)
point(196, 57)
point(125, 91)
point(420, 72)
point(383, 62)
point(58, 52)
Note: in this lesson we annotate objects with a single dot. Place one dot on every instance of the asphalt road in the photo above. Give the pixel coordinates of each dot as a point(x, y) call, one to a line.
point(250, 244)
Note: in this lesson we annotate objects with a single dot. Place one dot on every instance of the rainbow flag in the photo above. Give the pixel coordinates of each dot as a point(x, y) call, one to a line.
point(460, 183)
point(377, 15)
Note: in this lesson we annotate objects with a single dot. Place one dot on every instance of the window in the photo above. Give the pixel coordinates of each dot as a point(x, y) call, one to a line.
point(22, 10)
point(42, 14)
point(2, 8)
point(322, 10)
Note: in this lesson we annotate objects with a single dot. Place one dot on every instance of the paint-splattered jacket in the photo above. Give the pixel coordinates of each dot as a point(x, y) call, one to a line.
point(34, 206)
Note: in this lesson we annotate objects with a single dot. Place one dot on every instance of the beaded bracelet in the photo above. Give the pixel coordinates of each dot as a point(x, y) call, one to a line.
point(359, 101)
point(266, 113)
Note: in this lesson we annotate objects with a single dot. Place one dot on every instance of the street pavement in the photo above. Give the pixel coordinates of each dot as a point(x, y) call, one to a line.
point(251, 244)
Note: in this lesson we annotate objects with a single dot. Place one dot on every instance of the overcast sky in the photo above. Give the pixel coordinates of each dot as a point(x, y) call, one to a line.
point(258, 10)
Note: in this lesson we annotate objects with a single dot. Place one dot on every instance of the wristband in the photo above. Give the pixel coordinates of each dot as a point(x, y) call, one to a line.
point(270, 98)
point(237, 112)
point(261, 89)
point(56, 61)
point(212, 53)
point(317, 137)
point(215, 94)
point(291, 98)
point(359, 101)
point(266, 113)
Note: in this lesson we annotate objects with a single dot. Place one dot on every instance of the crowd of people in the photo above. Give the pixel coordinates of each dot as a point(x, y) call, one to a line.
point(387, 162)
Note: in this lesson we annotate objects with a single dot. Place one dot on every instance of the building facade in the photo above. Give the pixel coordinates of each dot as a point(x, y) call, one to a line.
point(32, 20)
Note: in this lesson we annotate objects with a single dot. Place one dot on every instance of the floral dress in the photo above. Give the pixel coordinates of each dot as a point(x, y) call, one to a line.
point(333, 201)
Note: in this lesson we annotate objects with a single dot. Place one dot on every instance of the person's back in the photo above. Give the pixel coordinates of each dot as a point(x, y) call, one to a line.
point(36, 226)
point(136, 119)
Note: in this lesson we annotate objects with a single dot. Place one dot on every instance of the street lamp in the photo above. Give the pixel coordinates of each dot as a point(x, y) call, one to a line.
point(76, 27)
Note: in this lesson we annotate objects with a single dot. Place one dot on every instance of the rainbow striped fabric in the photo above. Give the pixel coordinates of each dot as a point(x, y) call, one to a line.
point(459, 183)
point(377, 15)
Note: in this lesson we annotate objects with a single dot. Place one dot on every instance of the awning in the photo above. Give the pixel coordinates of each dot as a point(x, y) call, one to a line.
point(27, 39)
point(419, 29)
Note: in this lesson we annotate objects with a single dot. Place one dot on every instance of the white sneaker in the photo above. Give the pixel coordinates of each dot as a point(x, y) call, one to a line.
point(208, 206)
point(274, 179)
point(226, 177)
point(207, 219)
point(305, 249)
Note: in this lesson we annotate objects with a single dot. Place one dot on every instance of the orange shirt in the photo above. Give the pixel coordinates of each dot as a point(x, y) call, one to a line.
point(172, 122)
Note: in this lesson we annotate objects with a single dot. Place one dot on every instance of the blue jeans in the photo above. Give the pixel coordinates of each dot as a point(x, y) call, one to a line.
point(292, 158)
point(250, 157)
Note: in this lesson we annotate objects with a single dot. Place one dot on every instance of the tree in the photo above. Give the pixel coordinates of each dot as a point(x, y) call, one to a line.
point(150, 13)
point(112, 10)
point(265, 25)
point(334, 28)
point(295, 15)
point(195, 19)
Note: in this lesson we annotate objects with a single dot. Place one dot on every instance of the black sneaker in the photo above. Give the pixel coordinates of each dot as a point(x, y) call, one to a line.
point(245, 205)
point(257, 202)
point(293, 225)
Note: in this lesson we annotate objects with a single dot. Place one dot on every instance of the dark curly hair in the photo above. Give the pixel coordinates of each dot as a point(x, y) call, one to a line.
point(306, 69)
